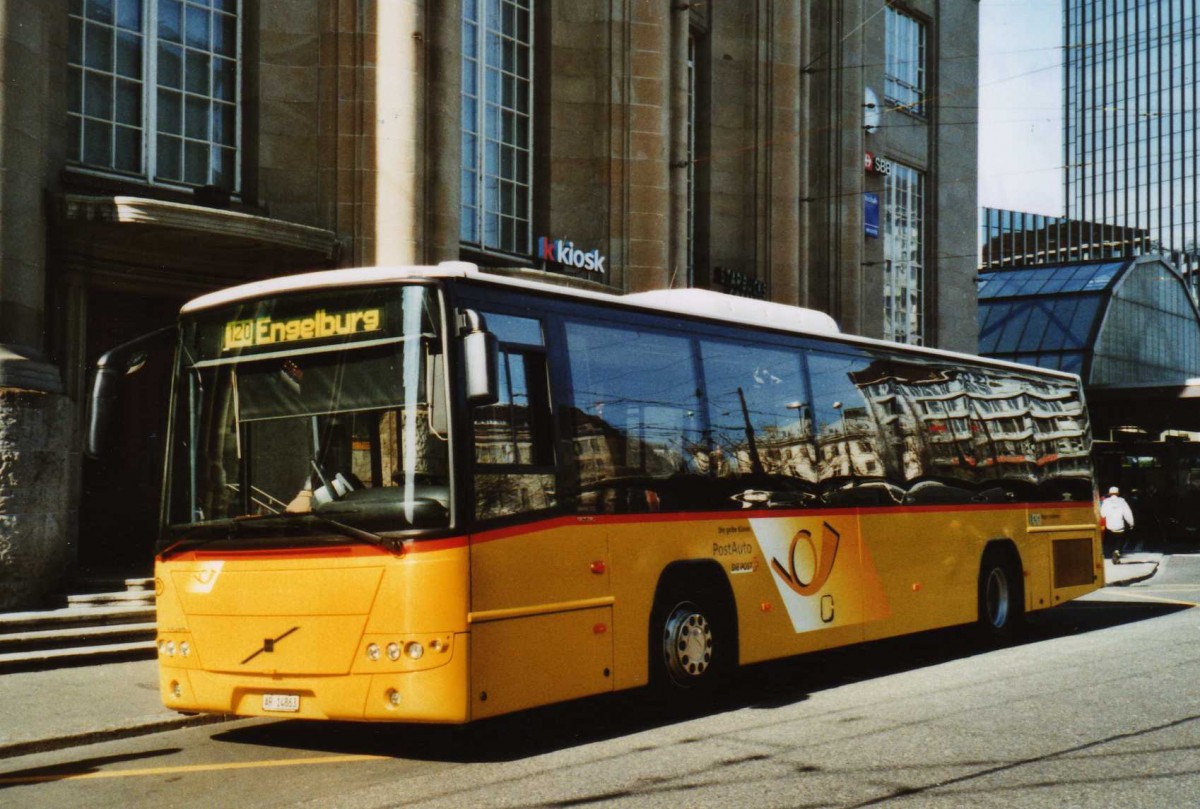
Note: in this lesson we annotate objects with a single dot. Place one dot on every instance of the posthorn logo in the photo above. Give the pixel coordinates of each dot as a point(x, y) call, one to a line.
point(808, 567)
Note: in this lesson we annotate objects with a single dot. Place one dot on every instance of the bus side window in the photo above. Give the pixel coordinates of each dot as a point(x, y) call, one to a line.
point(845, 423)
point(515, 431)
point(514, 441)
point(758, 411)
point(635, 417)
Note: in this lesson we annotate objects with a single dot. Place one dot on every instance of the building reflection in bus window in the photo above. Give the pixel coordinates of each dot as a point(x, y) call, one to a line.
point(635, 417)
point(759, 417)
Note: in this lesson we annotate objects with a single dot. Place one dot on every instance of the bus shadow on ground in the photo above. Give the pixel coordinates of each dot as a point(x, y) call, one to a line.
point(763, 686)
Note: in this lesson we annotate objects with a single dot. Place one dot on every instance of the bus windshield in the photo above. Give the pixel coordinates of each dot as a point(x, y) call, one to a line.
point(318, 409)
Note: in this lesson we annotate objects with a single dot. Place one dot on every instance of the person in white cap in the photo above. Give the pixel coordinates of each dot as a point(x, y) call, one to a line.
point(1117, 518)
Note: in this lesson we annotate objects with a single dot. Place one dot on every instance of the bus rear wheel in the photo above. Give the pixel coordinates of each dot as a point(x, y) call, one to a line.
point(687, 644)
point(1001, 596)
point(691, 643)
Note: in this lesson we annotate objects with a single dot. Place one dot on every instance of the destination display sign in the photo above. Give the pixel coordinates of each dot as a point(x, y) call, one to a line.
point(311, 320)
point(267, 331)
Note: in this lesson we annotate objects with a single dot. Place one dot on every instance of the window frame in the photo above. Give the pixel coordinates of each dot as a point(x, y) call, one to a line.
point(479, 137)
point(148, 125)
point(904, 184)
point(543, 428)
point(905, 72)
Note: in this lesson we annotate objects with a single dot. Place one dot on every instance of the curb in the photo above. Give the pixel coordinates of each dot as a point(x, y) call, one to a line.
point(1135, 579)
point(110, 734)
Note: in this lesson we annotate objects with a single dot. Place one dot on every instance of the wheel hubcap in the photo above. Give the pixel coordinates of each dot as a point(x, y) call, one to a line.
point(687, 644)
point(997, 598)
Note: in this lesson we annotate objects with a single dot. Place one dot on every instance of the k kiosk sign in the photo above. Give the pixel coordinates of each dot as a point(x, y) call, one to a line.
point(564, 253)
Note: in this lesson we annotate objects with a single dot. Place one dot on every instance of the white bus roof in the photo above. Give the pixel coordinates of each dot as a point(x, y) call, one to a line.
point(700, 302)
point(696, 302)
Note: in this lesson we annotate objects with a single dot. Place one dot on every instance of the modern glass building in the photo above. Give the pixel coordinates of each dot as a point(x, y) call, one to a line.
point(1132, 86)
point(1015, 238)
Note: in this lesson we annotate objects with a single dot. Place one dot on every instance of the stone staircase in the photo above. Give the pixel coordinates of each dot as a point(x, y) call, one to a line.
point(103, 625)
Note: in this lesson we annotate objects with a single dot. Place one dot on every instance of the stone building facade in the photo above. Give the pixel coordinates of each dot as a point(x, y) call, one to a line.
point(813, 152)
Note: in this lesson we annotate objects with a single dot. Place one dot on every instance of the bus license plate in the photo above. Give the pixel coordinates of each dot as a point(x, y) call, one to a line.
point(281, 702)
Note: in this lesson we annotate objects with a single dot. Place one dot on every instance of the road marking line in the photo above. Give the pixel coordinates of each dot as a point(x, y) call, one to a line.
point(1141, 597)
point(184, 768)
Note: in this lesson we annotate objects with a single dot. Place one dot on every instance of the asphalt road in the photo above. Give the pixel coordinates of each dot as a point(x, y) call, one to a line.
point(1098, 706)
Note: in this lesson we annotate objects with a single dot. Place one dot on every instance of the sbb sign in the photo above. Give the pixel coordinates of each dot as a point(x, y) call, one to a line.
point(875, 164)
point(567, 254)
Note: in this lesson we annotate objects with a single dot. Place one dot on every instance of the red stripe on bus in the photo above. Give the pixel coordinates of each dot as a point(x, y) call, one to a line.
point(427, 545)
point(708, 516)
point(279, 553)
point(552, 523)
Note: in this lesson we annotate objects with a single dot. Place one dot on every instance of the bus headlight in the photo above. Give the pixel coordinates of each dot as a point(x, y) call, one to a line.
point(400, 652)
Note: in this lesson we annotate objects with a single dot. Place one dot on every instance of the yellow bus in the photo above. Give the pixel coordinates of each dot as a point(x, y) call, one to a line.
point(433, 494)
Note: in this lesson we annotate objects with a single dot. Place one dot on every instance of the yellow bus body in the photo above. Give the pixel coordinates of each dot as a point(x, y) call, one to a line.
point(518, 617)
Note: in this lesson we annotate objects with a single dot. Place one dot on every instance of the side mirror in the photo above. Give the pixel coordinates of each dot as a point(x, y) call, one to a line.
point(111, 368)
point(102, 404)
point(481, 360)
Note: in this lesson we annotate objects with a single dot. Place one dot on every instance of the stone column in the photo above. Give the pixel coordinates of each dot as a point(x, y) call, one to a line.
point(783, 189)
point(644, 154)
point(400, 104)
point(36, 420)
point(680, 20)
point(443, 126)
point(951, 298)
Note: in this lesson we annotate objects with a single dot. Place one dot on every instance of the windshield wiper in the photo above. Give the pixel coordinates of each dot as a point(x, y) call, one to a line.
point(360, 534)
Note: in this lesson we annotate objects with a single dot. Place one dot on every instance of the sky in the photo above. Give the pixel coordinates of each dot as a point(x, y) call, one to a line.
point(1020, 105)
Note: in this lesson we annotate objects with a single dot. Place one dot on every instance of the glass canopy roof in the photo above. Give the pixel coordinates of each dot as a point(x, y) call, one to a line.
point(1113, 322)
point(1022, 281)
point(1044, 315)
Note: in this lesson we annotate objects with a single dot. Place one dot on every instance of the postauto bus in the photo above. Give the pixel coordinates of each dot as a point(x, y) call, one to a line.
point(431, 494)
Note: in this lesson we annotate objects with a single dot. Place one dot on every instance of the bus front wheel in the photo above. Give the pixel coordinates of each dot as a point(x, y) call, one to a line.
point(1001, 595)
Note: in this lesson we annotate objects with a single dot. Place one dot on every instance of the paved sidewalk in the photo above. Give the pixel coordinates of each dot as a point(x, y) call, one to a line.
point(47, 710)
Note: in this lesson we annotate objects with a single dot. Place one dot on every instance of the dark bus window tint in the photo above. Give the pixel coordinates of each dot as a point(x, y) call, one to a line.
point(758, 411)
point(634, 416)
point(514, 442)
point(514, 330)
point(502, 434)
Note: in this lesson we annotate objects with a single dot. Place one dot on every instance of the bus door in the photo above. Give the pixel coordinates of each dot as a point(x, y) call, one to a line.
point(541, 605)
